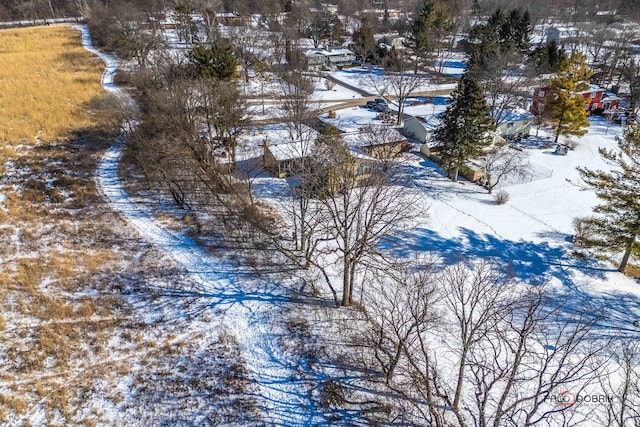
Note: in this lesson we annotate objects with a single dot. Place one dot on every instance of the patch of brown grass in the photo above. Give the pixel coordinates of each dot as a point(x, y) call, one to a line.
point(29, 274)
point(46, 80)
point(20, 209)
point(632, 270)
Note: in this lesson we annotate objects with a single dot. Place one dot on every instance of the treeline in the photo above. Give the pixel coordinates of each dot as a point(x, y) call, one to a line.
point(562, 10)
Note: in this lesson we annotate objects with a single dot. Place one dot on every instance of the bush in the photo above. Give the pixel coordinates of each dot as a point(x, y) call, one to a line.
point(501, 197)
point(329, 84)
point(332, 394)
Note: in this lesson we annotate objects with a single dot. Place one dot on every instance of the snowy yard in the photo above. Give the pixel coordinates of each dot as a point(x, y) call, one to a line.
point(531, 233)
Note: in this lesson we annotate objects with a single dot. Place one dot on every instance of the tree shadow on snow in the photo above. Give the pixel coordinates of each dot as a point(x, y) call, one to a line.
point(584, 281)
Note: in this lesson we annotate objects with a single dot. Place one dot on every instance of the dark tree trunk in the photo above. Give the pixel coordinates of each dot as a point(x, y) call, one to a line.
point(627, 254)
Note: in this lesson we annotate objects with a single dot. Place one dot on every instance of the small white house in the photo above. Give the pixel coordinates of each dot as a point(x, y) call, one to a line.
point(515, 123)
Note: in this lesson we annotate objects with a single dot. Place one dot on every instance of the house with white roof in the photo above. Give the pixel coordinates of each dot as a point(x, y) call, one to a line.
point(284, 148)
point(377, 141)
point(514, 123)
point(330, 58)
point(561, 34)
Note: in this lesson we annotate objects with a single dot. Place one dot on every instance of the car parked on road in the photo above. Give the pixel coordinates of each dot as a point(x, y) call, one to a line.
point(377, 104)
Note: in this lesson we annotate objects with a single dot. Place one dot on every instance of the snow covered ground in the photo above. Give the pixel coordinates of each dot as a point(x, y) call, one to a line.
point(364, 79)
point(232, 299)
point(531, 232)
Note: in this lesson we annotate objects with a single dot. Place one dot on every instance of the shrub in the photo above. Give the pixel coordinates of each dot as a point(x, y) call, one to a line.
point(329, 84)
point(332, 394)
point(501, 197)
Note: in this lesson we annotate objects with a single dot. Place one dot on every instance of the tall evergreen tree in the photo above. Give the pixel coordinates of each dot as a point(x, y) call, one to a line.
point(502, 33)
point(548, 58)
point(465, 125)
point(618, 225)
point(214, 61)
point(566, 104)
point(428, 28)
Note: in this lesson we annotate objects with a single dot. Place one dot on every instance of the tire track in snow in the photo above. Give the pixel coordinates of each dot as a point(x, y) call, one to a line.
point(244, 313)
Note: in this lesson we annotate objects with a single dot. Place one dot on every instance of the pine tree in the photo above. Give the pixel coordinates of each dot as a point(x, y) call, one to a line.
point(429, 26)
point(465, 125)
point(566, 105)
point(548, 58)
point(618, 225)
point(501, 34)
point(214, 61)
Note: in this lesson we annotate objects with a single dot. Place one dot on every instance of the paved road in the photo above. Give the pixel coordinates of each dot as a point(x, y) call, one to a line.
point(346, 103)
point(361, 101)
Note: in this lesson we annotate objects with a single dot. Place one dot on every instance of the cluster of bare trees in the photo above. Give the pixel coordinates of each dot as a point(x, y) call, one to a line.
point(42, 9)
point(187, 128)
point(345, 206)
point(467, 345)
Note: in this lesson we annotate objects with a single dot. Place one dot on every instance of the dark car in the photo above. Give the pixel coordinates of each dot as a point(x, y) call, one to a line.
point(380, 101)
point(371, 105)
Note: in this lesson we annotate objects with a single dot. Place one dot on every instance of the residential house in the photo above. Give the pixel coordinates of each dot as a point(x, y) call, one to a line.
point(515, 123)
point(420, 128)
point(561, 34)
point(283, 151)
point(393, 42)
point(377, 141)
point(331, 58)
point(233, 19)
point(382, 14)
point(596, 99)
point(354, 169)
point(471, 170)
point(329, 8)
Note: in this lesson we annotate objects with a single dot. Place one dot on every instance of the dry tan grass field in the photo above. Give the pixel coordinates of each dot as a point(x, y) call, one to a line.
point(70, 271)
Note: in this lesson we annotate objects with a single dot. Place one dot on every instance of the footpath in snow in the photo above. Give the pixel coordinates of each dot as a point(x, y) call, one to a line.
point(245, 311)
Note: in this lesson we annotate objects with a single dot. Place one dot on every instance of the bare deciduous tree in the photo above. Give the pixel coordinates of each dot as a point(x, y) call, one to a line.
point(126, 30)
point(503, 78)
point(630, 74)
point(620, 382)
point(479, 348)
point(396, 87)
point(345, 205)
point(248, 43)
point(367, 201)
point(503, 163)
point(295, 92)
